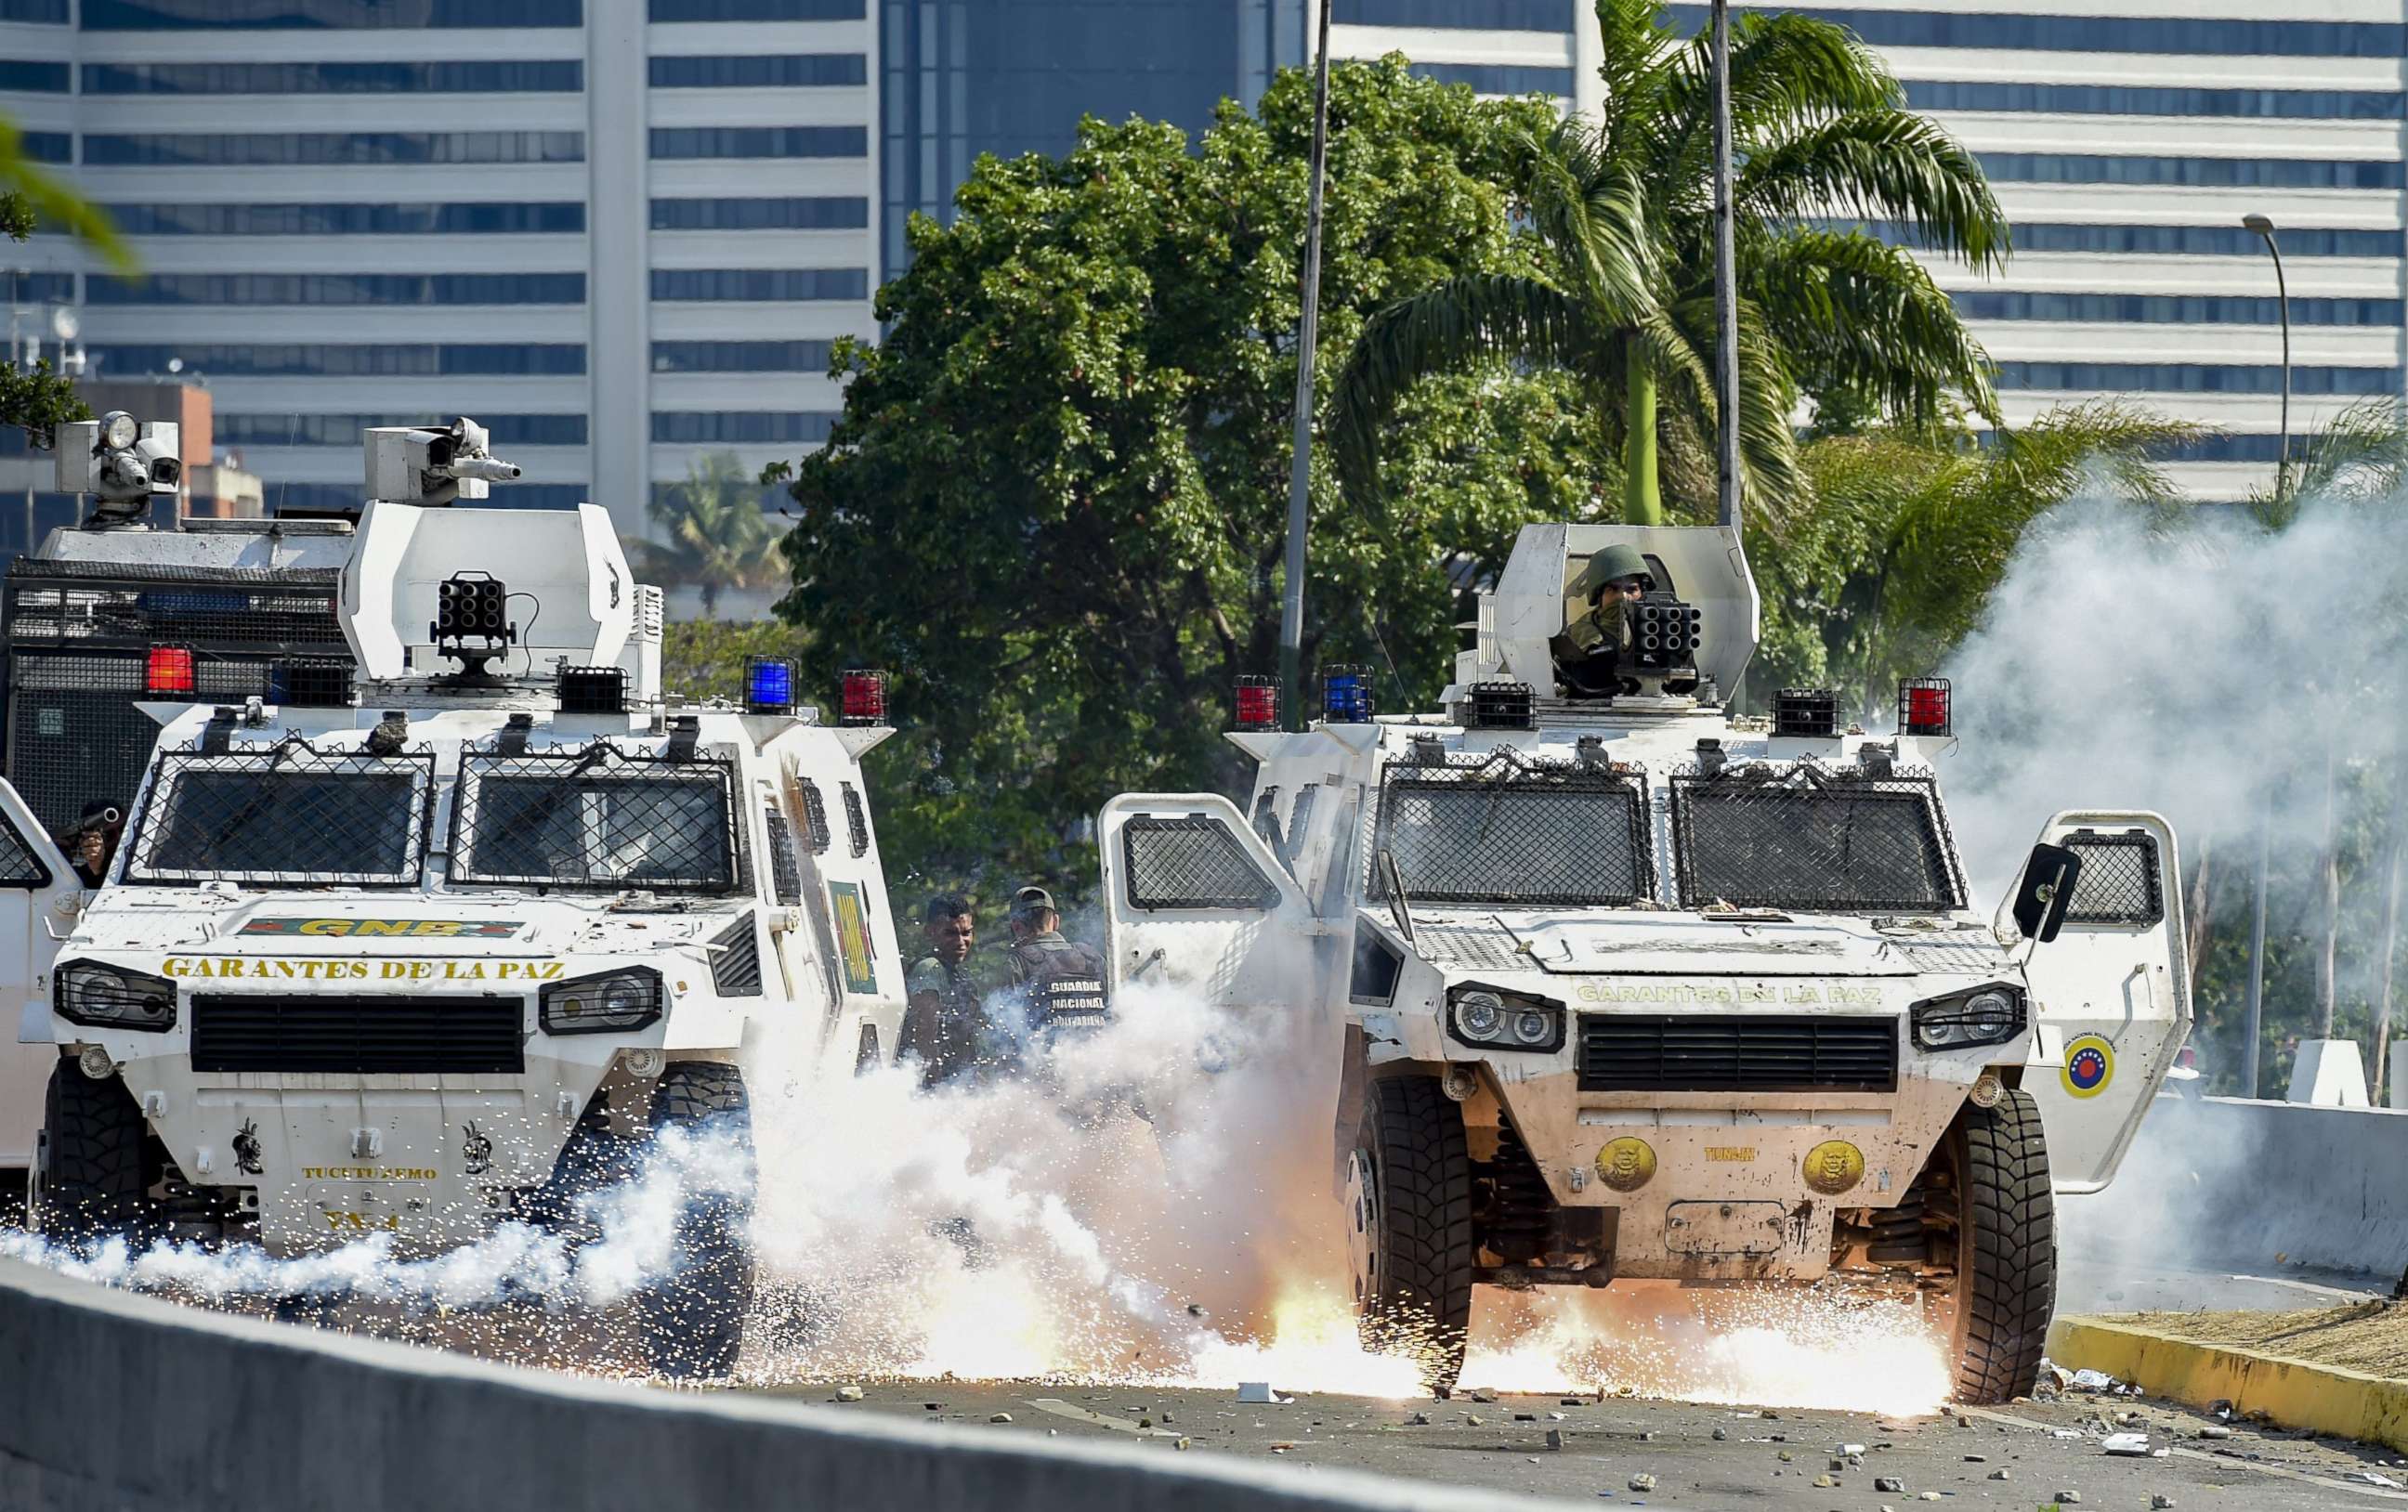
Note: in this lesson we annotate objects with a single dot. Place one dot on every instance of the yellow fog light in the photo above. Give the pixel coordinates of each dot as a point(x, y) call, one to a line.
point(1833, 1166)
point(1987, 1090)
point(1626, 1164)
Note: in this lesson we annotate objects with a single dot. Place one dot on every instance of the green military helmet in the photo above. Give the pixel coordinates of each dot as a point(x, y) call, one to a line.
point(1614, 562)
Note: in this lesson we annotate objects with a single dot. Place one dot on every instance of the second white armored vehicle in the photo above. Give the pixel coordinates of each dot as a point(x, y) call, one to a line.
point(414, 952)
point(1629, 988)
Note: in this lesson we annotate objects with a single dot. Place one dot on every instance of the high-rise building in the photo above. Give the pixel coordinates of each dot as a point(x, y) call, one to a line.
point(620, 233)
point(2126, 139)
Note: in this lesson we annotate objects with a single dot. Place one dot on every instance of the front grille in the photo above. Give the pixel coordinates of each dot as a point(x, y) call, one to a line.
point(461, 1035)
point(1761, 1052)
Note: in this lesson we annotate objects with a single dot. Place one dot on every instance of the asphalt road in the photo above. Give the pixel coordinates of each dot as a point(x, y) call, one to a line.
point(2014, 1459)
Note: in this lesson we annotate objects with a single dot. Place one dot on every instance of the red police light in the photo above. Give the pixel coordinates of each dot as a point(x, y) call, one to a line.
point(1258, 701)
point(1924, 707)
point(863, 698)
point(170, 670)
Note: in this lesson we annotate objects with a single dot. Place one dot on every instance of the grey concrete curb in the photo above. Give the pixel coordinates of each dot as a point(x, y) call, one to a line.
point(129, 1404)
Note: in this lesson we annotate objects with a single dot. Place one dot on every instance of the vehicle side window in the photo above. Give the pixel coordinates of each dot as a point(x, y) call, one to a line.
point(21, 865)
point(785, 867)
point(1377, 965)
point(856, 821)
point(815, 818)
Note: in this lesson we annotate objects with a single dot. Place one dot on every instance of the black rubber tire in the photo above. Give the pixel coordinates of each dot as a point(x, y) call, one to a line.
point(97, 1182)
point(2006, 1250)
point(691, 1322)
point(1418, 1296)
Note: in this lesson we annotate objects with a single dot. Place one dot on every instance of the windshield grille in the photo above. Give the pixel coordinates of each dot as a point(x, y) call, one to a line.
point(1799, 835)
point(597, 818)
point(286, 813)
point(1499, 827)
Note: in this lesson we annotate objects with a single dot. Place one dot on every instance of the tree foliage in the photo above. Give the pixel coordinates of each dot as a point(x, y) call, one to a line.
point(709, 658)
point(1053, 506)
point(713, 534)
point(38, 400)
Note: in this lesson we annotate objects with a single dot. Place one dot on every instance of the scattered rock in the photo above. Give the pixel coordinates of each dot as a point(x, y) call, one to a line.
point(1647, 1437)
point(1555, 1439)
point(848, 1393)
point(1258, 1392)
point(1647, 1483)
point(1179, 1443)
point(1855, 1449)
point(933, 1406)
point(1419, 1420)
point(1836, 1464)
point(1472, 1417)
point(2160, 1504)
point(1926, 1496)
point(1484, 1397)
point(2069, 1498)
point(2215, 1430)
point(1964, 1422)
point(1555, 1416)
point(1824, 1483)
point(1977, 1459)
point(1525, 1417)
point(1574, 1401)
point(2135, 1446)
point(2000, 1473)
point(1721, 1433)
point(1891, 1485)
point(999, 1416)
point(1786, 1456)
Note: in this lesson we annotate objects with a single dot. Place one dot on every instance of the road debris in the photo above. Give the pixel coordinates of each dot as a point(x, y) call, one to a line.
point(848, 1393)
point(999, 1416)
point(1257, 1393)
point(1824, 1483)
point(1642, 1483)
point(1555, 1439)
point(2134, 1445)
point(2069, 1498)
point(2160, 1504)
point(1889, 1485)
point(2215, 1430)
point(2000, 1473)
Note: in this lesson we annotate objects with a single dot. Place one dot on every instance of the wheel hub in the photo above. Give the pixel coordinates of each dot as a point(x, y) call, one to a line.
point(1362, 1209)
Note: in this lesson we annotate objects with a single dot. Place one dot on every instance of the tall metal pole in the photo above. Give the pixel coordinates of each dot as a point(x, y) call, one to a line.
point(2257, 995)
point(1725, 284)
point(2265, 229)
point(1300, 484)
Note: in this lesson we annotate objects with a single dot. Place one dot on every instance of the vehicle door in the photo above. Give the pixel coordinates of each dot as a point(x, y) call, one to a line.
point(1198, 903)
point(2111, 994)
point(37, 902)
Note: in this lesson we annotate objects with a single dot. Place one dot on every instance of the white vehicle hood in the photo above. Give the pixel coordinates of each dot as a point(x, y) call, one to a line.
point(1690, 945)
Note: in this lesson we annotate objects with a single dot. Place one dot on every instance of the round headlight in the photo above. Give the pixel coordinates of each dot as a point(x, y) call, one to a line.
point(1989, 1015)
point(1480, 1015)
point(622, 998)
point(1531, 1027)
point(119, 430)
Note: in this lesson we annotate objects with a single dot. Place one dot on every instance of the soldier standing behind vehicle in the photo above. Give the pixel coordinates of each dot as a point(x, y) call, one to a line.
point(1063, 979)
point(946, 1026)
point(93, 843)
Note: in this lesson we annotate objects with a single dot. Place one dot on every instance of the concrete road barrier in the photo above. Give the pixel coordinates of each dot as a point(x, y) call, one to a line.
point(2325, 1399)
point(128, 1404)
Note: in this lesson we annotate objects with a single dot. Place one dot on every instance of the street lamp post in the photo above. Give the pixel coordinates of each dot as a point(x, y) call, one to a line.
point(2265, 229)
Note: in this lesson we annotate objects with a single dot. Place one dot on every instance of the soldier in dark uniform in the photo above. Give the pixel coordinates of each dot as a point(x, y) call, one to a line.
point(93, 843)
point(1062, 979)
point(946, 1028)
point(1588, 651)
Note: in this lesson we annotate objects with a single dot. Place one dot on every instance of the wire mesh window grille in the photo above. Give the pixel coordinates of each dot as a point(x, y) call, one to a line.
point(2119, 882)
point(1193, 861)
point(1814, 838)
point(736, 960)
point(21, 865)
point(815, 820)
point(1501, 827)
point(785, 867)
point(856, 821)
point(225, 610)
point(287, 813)
point(599, 819)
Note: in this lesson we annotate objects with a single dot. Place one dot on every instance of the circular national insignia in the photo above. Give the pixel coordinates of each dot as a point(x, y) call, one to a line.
point(1833, 1166)
point(2089, 1067)
point(1625, 1164)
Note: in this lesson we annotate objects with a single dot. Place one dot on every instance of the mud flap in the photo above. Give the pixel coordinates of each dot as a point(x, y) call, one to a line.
point(2111, 994)
point(37, 885)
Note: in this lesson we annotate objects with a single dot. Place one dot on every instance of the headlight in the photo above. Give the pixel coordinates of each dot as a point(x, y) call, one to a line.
point(1488, 1019)
point(1983, 1016)
point(111, 997)
point(612, 1002)
point(119, 430)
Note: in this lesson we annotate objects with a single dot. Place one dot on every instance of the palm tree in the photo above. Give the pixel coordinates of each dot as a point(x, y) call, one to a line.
point(713, 534)
point(1621, 211)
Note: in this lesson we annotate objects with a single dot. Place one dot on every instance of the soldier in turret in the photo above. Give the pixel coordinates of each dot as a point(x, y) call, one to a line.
point(1588, 652)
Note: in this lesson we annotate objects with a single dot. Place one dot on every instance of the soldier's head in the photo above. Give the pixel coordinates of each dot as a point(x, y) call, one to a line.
point(1616, 576)
point(1033, 913)
point(951, 929)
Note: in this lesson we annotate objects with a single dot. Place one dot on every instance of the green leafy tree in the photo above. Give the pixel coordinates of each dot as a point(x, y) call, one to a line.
point(1621, 297)
point(1055, 504)
point(39, 399)
point(711, 658)
point(713, 534)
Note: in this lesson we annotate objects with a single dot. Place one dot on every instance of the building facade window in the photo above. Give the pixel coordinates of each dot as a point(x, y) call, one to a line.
point(38, 13)
point(740, 427)
point(446, 360)
point(760, 141)
point(24, 288)
point(836, 212)
point(2169, 310)
point(2091, 34)
point(2194, 377)
point(32, 78)
point(756, 284)
point(792, 70)
point(2172, 241)
point(740, 356)
point(2202, 173)
point(2266, 448)
point(662, 10)
point(1500, 79)
point(2136, 100)
point(501, 218)
point(478, 76)
point(330, 496)
point(337, 288)
point(309, 15)
point(240, 430)
point(1488, 15)
point(48, 146)
point(263, 148)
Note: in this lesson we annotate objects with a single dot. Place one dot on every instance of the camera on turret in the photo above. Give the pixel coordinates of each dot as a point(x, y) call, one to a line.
point(122, 463)
point(431, 464)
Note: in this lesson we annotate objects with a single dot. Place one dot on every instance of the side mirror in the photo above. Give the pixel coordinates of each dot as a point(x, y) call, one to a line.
point(2046, 892)
point(1392, 883)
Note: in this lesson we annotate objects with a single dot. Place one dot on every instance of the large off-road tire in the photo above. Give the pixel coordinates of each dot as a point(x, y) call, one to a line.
point(96, 1178)
point(1410, 1234)
point(2005, 1252)
point(692, 1322)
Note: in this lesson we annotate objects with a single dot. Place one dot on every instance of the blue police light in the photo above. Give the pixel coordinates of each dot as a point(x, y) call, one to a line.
point(769, 687)
point(1346, 695)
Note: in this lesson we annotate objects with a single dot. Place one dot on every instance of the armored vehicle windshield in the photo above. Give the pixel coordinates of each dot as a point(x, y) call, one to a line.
point(599, 819)
point(1505, 828)
point(285, 814)
point(1802, 836)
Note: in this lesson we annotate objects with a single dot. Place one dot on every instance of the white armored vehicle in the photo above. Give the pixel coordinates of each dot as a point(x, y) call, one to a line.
point(416, 950)
point(1633, 989)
